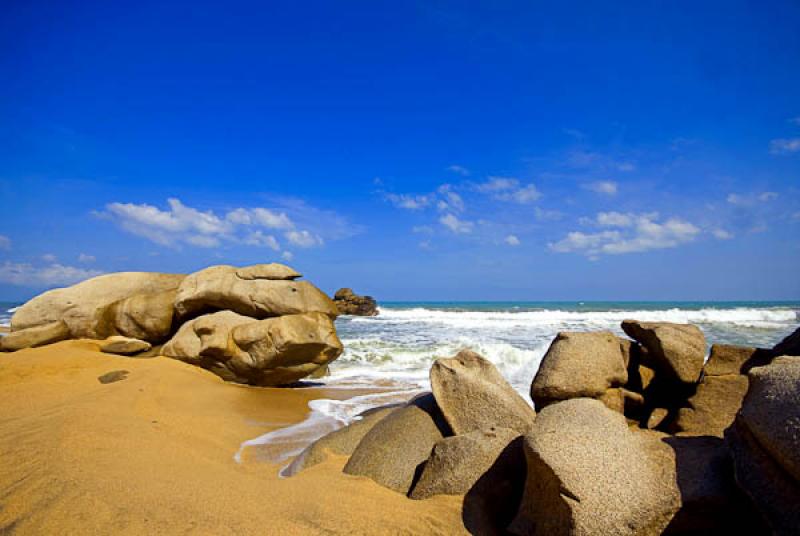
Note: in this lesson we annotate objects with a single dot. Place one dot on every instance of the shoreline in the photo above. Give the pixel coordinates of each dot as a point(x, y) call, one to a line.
point(87, 457)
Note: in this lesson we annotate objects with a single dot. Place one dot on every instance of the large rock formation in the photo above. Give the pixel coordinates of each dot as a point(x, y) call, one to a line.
point(275, 351)
point(350, 303)
point(765, 442)
point(675, 350)
point(393, 450)
point(81, 307)
point(265, 328)
point(260, 291)
point(581, 365)
point(588, 473)
point(473, 395)
point(788, 346)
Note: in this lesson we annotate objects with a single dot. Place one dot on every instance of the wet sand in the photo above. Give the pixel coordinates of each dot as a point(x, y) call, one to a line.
point(153, 453)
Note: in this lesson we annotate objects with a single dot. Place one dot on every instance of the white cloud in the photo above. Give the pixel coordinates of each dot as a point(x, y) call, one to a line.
point(181, 224)
point(426, 245)
point(512, 240)
point(287, 255)
point(303, 239)
point(49, 257)
point(409, 202)
point(722, 234)
point(526, 194)
point(450, 201)
point(422, 229)
point(461, 170)
point(497, 184)
point(602, 187)
point(83, 257)
point(626, 166)
point(547, 215)
point(784, 145)
point(5, 242)
point(454, 224)
point(24, 274)
point(634, 233)
point(258, 238)
point(747, 200)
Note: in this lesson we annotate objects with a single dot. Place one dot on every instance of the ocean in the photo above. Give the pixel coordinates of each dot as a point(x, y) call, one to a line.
point(391, 354)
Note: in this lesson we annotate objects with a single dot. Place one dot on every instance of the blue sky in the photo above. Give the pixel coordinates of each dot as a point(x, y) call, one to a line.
point(431, 150)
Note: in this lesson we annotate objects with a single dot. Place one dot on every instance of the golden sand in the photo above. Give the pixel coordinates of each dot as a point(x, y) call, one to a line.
point(153, 454)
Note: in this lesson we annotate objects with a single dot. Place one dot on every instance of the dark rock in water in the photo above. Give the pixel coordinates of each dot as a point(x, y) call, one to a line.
point(393, 453)
point(765, 442)
point(350, 303)
point(674, 350)
point(342, 441)
point(473, 395)
point(113, 376)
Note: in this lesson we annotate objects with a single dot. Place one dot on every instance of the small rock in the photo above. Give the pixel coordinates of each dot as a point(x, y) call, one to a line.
point(113, 376)
point(350, 303)
point(117, 344)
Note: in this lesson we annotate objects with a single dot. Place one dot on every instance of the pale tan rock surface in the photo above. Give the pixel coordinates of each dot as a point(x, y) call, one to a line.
point(117, 344)
point(589, 474)
point(222, 288)
point(392, 451)
point(274, 351)
point(78, 305)
point(34, 336)
point(581, 365)
point(473, 395)
point(674, 350)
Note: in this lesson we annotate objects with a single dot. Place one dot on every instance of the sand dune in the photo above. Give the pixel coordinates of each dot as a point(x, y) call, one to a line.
point(153, 454)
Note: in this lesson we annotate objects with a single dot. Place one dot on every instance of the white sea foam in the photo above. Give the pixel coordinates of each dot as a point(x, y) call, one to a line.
point(396, 349)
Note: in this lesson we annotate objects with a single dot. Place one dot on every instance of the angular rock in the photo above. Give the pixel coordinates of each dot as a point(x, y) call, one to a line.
point(771, 411)
point(117, 344)
point(457, 462)
point(143, 316)
point(675, 350)
point(487, 466)
point(580, 365)
point(350, 303)
point(342, 441)
point(473, 395)
point(727, 359)
point(275, 351)
point(713, 407)
point(588, 473)
point(34, 336)
point(394, 451)
point(222, 288)
point(78, 305)
point(765, 443)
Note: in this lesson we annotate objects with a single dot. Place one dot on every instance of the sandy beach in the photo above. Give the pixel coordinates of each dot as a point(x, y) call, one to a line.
point(153, 453)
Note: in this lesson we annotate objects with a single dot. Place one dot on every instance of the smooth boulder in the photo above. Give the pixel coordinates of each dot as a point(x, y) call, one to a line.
point(394, 451)
point(34, 336)
point(589, 474)
point(252, 291)
point(148, 317)
point(674, 350)
point(581, 365)
point(117, 344)
point(342, 441)
point(473, 395)
point(78, 306)
point(765, 443)
point(274, 351)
